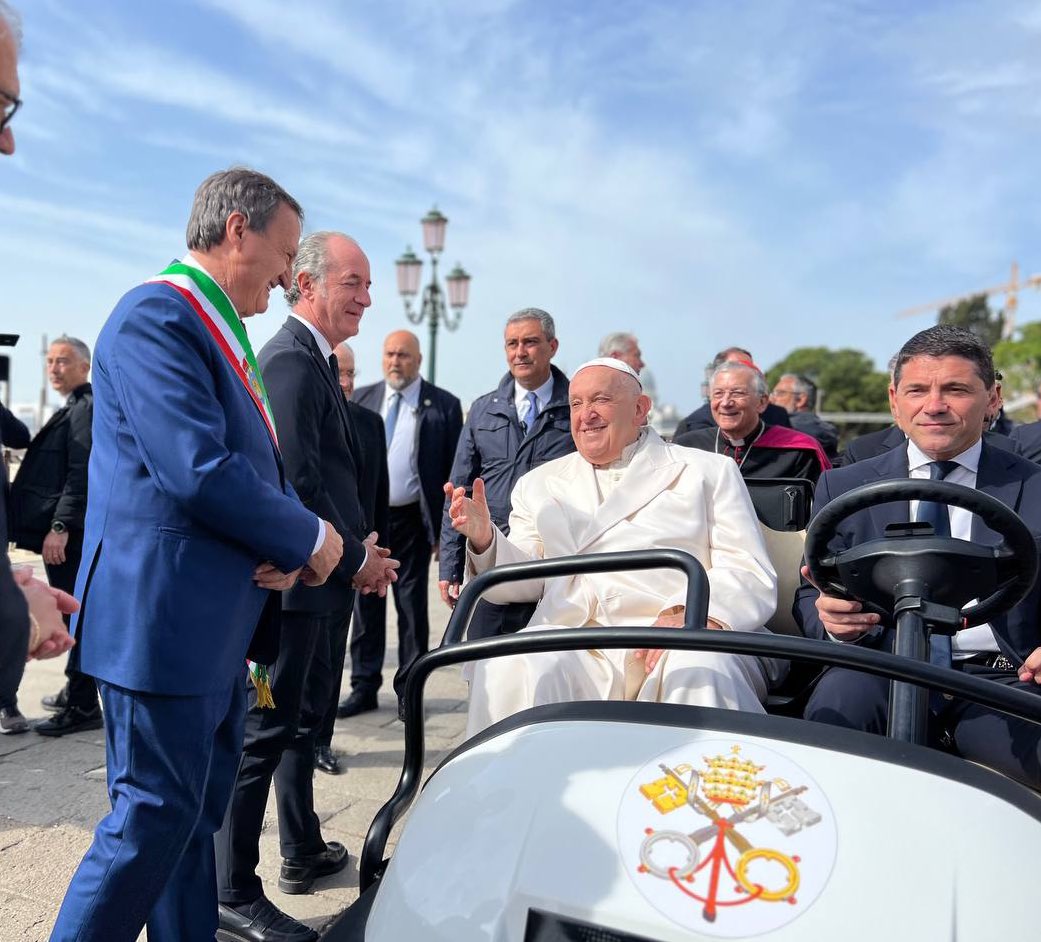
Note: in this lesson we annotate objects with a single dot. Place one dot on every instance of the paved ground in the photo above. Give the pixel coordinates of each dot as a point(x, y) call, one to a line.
point(52, 793)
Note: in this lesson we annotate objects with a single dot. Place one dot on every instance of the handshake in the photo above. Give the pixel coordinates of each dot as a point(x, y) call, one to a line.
point(376, 574)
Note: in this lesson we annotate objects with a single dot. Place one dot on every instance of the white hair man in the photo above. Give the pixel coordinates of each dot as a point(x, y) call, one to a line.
point(624, 489)
point(625, 347)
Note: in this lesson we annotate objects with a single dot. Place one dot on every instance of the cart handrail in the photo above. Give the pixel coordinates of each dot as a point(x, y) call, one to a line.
point(696, 613)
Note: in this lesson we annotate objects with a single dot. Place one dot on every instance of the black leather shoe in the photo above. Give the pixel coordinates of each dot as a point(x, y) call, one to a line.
point(56, 702)
point(12, 722)
point(298, 873)
point(325, 761)
point(71, 720)
point(260, 921)
point(359, 701)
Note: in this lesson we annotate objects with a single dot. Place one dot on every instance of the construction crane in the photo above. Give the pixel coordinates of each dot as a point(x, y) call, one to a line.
point(1010, 289)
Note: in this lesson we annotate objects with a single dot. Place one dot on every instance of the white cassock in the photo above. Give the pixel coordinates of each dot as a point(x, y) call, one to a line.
point(657, 495)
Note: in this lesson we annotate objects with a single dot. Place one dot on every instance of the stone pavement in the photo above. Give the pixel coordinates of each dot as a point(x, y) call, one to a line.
point(52, 793)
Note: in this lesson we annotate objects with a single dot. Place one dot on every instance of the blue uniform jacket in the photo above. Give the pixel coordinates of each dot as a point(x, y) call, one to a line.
point(493, 446)
point(187, 495)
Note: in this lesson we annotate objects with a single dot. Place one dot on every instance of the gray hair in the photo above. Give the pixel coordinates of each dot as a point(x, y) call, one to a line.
point(237, 190)
point(721, 357)
point(732, 366)
point(619, 342)
point(803, 386)
point(312, 256)
point(535, 314)
point(11, 22)
point(78, 345)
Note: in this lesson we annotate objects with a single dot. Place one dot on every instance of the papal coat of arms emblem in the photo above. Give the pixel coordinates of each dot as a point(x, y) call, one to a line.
point(727, 838)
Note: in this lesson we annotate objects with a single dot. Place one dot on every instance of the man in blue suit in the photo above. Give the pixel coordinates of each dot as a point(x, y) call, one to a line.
point(191, 528)
point(943, 386)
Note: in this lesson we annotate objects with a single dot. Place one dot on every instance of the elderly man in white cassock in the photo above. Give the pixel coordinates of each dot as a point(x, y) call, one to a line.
point(625, 489)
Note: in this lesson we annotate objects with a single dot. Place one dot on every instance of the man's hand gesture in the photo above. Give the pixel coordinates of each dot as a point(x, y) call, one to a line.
point(324, 561)
point(469, 515)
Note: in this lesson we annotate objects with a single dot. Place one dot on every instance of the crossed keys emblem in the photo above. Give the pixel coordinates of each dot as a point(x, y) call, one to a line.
point(727, 780)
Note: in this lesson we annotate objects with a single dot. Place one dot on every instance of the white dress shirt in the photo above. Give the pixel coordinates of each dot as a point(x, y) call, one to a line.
point(401, 450)
point(542, 396)
point(981, 637)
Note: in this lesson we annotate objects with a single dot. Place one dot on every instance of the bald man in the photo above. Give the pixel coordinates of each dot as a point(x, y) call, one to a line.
point(422, 425)
point(624, 489)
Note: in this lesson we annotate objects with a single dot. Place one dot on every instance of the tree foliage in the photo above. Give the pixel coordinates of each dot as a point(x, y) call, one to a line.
point(846, 379)
point(975, 314)
point(1020, 360)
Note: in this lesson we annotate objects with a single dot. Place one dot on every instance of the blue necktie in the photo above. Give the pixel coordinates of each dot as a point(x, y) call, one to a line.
point(532, 414)
point(938, 516)
point(392, 416)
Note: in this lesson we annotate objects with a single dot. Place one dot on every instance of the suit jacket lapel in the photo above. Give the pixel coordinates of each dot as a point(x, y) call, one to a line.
point(302, 334)
point(992, 479)
point(650, 472)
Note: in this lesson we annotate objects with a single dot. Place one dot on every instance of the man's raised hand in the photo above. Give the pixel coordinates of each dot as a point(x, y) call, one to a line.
point(469, 515)
point(324, 561)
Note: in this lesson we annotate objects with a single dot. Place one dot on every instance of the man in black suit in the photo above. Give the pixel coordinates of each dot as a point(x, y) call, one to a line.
point(1027, 439)
point(702, 416)
point(48, 505)
point(373, 488)
point(422, 424)
point(943, 386)
point(329, 294)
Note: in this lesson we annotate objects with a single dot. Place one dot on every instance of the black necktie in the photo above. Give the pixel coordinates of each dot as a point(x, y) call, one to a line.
point(937, 514)
point(352, 440)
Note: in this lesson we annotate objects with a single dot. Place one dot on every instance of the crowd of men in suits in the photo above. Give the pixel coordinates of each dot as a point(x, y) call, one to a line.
point(196, 485)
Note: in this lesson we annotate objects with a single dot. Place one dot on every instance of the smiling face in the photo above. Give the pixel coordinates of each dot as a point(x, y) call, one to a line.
point(258, 262)
point(607, 412)
point(528, 353)
point(940, 403)
point(336, 304)
point(736, 403)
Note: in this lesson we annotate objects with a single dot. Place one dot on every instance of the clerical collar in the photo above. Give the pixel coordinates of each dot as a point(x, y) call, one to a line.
point(626, 457)
point(738, 443)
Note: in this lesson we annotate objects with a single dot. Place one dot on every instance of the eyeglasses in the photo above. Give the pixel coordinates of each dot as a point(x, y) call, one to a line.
point(738, 395)
point(10, 109)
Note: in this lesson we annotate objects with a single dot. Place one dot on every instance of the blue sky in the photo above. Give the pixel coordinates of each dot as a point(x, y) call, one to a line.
point(774, 174)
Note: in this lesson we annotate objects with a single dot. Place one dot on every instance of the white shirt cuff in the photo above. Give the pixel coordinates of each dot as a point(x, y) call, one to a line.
point(321, 536)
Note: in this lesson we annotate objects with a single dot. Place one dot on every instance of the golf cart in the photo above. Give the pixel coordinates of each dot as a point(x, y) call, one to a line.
point(641, 821)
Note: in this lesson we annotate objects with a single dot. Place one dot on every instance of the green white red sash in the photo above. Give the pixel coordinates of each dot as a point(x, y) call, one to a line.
point(209, 301)
point(215, 310)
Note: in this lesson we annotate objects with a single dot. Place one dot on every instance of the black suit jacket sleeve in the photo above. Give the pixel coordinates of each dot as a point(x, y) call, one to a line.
point(13, 432)
point(465, 467)
point(72, 502)
point(299, 410)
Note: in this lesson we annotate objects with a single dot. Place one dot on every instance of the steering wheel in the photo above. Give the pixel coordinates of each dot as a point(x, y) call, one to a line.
point(1014, 561)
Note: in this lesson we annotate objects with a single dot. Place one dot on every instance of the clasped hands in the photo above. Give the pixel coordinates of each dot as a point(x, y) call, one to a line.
point(376, 574)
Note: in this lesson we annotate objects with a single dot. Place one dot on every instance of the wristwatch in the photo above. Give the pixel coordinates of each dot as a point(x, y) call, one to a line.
point(58, 527)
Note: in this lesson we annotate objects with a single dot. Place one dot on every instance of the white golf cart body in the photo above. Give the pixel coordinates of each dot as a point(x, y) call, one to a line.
point(549, 812)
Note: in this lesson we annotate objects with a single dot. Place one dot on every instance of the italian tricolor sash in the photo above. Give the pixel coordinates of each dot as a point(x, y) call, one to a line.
point(209, 301)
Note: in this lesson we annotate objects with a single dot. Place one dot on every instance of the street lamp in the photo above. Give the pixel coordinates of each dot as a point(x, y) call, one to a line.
point(433, 307)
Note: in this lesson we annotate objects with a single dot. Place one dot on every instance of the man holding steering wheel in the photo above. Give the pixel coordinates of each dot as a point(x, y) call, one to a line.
point(943, 388)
